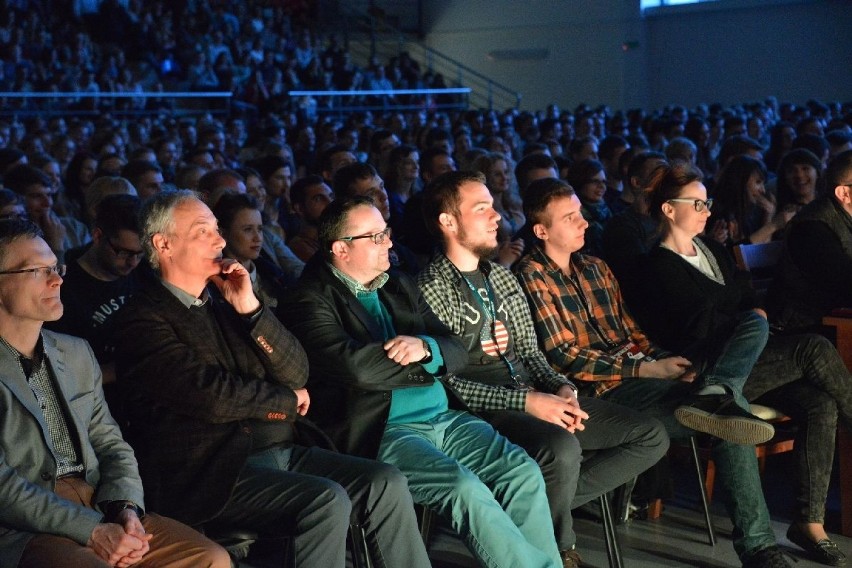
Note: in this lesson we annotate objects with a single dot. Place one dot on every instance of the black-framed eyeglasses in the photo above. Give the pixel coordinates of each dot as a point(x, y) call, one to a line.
point(45, 271)
point(699, 204)
point(124, 253)
point(377, 238)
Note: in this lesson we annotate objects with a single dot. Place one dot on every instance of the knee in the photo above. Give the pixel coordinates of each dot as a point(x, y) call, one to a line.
point(214, 556)
point(817, 346)
point(332, 501)
point(388, 481)
point(560, 450)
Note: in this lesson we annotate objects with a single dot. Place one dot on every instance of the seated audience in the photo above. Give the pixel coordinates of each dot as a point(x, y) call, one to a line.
point(799, 179)
point(146, 177)
point(589, 180)
point(375, 350)
point(698, 299)
point(585, 330)
point(742, 202)
point(71, 493)
point(401, 179)
point(498, 179)
point(214, 388)
point(241, 225)
point(506, 378)
point(310, 196)
point(815, 272)
point(362, 180)
point(61, 233)
point(101, 277)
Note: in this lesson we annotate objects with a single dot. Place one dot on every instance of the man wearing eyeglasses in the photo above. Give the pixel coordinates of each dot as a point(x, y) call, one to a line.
point(101, 279)
point(70, 492)
point(376, 351)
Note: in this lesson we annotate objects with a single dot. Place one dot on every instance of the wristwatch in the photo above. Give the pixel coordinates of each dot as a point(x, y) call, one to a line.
point(114, 508)
point(426, 350)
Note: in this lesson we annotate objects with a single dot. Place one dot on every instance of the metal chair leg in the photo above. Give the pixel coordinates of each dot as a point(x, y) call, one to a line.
point(613, 550)
point(707, 520)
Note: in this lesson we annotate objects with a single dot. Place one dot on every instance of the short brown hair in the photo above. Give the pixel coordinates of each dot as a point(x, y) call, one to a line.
point(442, 196)
point(540, 194)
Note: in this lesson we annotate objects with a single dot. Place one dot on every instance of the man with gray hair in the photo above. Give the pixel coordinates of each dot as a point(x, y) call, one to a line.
point(215, 388)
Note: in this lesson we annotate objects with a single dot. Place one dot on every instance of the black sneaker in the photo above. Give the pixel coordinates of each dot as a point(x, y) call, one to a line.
point(771, 557)
point(719, 416)
point(824, 551)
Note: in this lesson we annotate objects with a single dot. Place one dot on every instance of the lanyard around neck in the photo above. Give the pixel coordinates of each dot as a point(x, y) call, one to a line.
point(517, 380)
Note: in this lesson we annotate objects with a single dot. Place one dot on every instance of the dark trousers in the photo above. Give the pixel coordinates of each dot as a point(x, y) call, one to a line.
point(804, 377)
point(617, 445)
point(313, 495)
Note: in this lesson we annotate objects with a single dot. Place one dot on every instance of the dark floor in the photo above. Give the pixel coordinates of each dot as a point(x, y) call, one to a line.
point(679, 538)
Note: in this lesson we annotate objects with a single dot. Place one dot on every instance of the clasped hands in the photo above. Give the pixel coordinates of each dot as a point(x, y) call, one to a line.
point(122, 543)
point(562, 408)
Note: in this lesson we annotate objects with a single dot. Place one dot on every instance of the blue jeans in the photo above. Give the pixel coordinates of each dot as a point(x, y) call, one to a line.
point(805, 378)
point(736, 464)
point(733, 359)
point(492, 491)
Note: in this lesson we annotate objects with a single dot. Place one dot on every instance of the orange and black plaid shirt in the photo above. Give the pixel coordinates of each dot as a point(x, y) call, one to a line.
point(581, 318)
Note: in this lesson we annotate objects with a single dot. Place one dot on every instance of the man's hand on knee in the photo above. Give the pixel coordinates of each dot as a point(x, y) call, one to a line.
point(116, 546)
point(563, 412)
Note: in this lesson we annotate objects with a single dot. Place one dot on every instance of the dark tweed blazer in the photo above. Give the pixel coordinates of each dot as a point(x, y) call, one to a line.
point(192, 394)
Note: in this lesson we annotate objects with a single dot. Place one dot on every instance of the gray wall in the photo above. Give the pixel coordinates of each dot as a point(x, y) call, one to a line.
point(603, 51)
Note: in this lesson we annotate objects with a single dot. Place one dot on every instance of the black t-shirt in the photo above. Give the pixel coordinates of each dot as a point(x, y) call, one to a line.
point(488, 341)
point(91, 307)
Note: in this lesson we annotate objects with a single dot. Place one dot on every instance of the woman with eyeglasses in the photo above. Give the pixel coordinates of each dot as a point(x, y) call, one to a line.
point(696, 298)
point(242, 228)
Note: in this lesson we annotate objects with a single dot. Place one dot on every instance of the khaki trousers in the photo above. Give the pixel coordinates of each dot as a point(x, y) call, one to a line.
point(174, 544)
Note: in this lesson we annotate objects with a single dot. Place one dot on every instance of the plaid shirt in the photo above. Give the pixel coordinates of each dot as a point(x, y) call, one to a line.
point(441, 285)
point(581, 318)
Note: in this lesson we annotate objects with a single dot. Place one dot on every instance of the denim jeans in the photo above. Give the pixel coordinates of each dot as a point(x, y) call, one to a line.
point(804, 377)
point(492, 491)
point(732, 360)
point(736, 464)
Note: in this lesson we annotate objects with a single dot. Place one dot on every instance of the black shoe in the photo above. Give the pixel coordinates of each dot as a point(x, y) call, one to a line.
point(824, 551)
point(719, 416)
point(771, 557)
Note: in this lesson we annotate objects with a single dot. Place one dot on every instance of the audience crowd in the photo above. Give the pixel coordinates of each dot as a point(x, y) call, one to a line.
point(492, 289)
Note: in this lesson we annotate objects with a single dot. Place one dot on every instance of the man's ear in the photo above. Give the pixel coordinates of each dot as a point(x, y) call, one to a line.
point(843, 194)
point(339, 249)
point(161, 243)
point(448, 222)
point(298, 210)
point(540, 231)
point(97, 235)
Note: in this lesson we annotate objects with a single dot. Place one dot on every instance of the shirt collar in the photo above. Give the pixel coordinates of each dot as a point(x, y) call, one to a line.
point(356, 287)
point(446, 266)
point(185, 297)
point(539, 256)
point(38, 352)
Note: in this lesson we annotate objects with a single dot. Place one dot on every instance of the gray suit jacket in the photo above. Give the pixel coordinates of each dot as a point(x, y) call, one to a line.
point(27, 467)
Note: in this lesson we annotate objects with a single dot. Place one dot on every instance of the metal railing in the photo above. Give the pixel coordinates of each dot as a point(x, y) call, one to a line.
point(340, 102)
point(85, 103)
